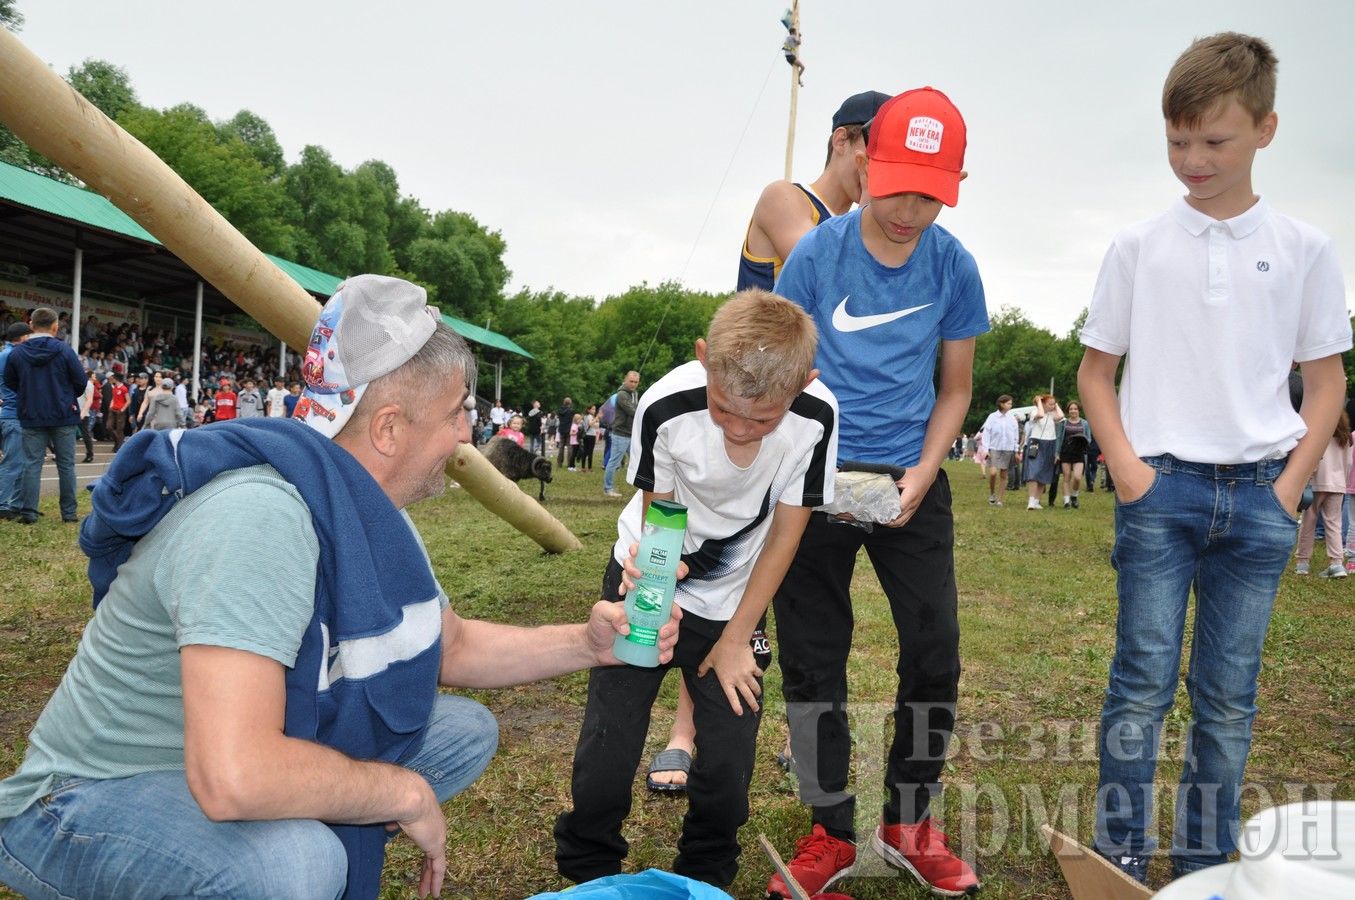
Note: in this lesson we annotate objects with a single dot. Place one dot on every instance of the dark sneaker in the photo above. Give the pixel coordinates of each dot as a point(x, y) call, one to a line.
point(1068, 504)
point(820, 859)
point(1074, 503)
point(924, 851)
point(1136, 867)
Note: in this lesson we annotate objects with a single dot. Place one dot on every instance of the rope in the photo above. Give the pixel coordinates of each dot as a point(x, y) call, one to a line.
point(710, 209)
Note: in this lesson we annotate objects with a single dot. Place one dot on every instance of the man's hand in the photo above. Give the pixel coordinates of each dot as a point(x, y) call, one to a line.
point(1134, 481)
point(913, 486)
point(427, 828)
point(608, 619)
point(737, 671)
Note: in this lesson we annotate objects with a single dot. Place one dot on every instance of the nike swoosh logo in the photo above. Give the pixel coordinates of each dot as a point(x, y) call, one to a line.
point(846, 322)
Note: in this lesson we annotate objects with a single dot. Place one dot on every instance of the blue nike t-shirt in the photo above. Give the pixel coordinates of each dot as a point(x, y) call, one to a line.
point(879, 330)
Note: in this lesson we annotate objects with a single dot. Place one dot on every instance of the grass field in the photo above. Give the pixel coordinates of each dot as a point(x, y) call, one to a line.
point(1037, 608)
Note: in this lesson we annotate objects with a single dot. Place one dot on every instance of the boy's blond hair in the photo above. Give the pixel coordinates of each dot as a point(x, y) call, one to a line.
point(760, 345)
point(1215, 68)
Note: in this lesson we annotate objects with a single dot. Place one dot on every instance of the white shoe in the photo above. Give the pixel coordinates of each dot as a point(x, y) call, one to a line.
point(1335, 570)
point(1301, 568)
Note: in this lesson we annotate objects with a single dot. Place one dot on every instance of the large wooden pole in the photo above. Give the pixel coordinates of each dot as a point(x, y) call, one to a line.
point(54, 119)
point(794, 90)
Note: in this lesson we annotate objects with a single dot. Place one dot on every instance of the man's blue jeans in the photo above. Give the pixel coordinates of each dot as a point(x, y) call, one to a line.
point(12, 466)
point(62, 438)
point(145, 836)
point(1221, 530)
point(620, 446)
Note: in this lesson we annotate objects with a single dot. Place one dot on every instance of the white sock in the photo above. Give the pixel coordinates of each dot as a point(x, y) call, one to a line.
point(1066, 498)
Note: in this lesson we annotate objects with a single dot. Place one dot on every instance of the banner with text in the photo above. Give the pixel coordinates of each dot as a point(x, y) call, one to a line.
point(26, 296)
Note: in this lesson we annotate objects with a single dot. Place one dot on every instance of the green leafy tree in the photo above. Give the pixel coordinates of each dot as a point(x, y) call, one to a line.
point(462, 265)
point(407, 220)
point(223, 171)
point(558, 330)
point(341, 217)
point(10, 17)
point(257, 135)
point(105, 85)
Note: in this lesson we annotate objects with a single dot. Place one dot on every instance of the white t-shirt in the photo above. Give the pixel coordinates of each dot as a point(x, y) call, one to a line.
point(277, 403)
point(1209, 315)
point(1000, 431)
point(677, 447)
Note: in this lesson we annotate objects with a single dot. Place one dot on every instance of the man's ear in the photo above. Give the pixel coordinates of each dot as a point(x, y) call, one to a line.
point(701, 351)
point(385, 429)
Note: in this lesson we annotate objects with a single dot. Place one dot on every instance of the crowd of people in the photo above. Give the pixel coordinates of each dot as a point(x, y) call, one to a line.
point(1039, 445)
point(573, 435)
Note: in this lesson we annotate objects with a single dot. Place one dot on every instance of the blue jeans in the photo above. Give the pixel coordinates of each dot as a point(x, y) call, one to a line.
point(12, 466)
point(1221, 530)
point(620, 446)
point(145, 836)
point(35, 448)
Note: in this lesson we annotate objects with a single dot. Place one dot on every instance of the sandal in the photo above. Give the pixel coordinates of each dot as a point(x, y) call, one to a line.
point(671, 760)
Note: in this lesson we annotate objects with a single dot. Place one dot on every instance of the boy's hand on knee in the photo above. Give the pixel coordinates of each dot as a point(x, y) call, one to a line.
point(737, 671)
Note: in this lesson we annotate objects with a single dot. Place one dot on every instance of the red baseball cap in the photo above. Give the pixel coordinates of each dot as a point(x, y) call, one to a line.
point(917, 144)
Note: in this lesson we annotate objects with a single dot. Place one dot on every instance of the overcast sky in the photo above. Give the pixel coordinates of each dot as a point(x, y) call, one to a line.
point(596, 135)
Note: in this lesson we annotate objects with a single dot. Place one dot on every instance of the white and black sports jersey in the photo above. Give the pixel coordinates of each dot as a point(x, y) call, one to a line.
point(677, 447)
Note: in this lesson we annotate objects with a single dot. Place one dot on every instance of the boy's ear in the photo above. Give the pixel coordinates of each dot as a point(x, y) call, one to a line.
point(701, 350)
point(813, 373)
point(1269, 123)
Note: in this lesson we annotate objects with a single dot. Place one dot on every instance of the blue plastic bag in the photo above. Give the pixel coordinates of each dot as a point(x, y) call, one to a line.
point(651, 884)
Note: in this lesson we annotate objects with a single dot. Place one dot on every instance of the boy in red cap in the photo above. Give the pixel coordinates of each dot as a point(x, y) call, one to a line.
point(887, 289)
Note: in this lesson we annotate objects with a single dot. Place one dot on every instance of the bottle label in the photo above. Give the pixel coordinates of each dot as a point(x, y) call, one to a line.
point(647, 599)
point(645, 637)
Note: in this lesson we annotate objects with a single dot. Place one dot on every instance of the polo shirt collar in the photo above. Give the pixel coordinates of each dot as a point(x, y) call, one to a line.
point(1197, 223)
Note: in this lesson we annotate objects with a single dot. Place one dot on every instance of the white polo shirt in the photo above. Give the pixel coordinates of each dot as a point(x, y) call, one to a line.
point(1209, 315)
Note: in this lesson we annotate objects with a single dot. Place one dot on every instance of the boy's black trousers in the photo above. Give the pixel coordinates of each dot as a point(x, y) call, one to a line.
point(588, 841)
point(814, 623)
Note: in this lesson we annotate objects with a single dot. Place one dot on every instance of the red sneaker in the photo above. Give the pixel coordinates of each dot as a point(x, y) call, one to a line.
point(819, 860)
point(925, 852)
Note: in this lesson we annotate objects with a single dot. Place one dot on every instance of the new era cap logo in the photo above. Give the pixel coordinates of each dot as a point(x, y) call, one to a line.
point(924, 134)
